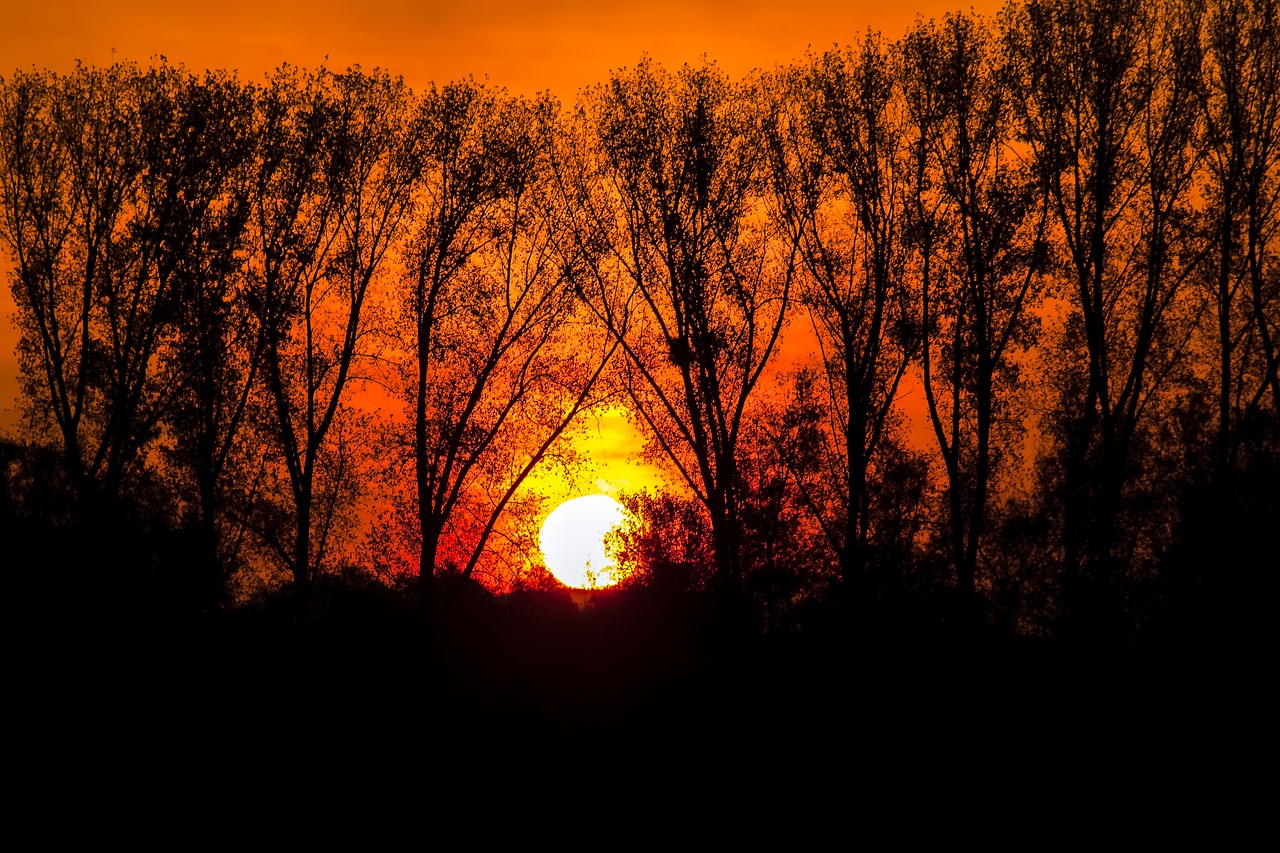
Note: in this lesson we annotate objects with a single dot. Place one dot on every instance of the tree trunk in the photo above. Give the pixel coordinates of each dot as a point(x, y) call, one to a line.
point(302, 580)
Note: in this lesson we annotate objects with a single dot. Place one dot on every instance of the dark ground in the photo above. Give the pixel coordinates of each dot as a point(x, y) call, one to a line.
point(634, 706)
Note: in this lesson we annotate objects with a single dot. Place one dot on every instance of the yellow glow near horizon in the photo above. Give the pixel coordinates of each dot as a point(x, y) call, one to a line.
point(572, 540)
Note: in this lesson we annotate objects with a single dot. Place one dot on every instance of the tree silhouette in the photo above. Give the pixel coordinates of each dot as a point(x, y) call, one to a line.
point(502, 364)
point(115, 188)
point(211, 360)
point(1240, 100)
point(837, 149)
point(333, 191)
point(71, 180)
point(686, 272)
point(787, 496)
point(977, 209)
point(1107, 110)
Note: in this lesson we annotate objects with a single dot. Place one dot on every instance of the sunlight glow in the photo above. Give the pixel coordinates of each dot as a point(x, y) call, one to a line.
point(572, 541)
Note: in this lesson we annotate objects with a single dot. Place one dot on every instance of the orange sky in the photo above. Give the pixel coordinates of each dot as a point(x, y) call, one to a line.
point(524, 45)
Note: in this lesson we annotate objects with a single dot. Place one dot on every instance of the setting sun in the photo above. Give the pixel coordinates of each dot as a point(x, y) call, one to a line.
point(572, 541)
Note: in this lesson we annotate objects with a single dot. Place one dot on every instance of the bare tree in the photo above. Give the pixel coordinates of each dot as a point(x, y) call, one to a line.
point(978, 209)
point(501, 368)
point(335, 187)
point(684, 268)
point(210, 362)
point(1108, 112)
point(1240, 100)
point(71, 170)
point(113, 182)
point(838, 153)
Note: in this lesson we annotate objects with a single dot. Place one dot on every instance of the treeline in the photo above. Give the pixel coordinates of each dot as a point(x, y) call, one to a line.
point(1058, 227)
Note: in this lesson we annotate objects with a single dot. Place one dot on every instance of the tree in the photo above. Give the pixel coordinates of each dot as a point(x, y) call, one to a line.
point(211, 362)
point(787, 495)
point(1105, 88)
point(684, 268)
point(72, 167)
point(115, 183)
point(500, 364)
point(978, 209)
point(836, 146)
point(1240, 103)
point(334, 189)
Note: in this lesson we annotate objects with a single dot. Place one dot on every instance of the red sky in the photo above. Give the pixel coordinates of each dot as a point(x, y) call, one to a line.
point(525, 45)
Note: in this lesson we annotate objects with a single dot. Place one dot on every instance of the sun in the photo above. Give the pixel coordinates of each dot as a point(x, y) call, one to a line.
point(572, 540)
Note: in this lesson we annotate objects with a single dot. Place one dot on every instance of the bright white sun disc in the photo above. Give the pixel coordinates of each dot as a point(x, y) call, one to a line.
point(572, 540)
